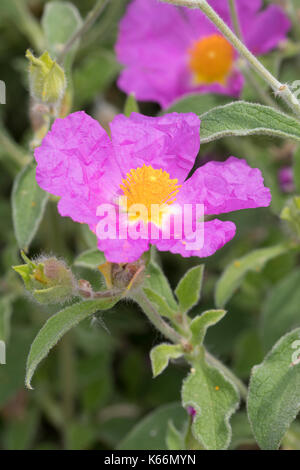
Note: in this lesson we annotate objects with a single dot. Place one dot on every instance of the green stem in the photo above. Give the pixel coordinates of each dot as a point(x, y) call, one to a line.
point(173, 336)
point(27, 23)
point(245, 67)
point(235, 19)
point(89, 21)
point(227, 372)
point(279, 89)
point(15, 152)
point(154, 317)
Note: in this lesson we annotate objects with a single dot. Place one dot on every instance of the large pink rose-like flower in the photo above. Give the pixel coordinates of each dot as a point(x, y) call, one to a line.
point(148, 160)
point(170, 51)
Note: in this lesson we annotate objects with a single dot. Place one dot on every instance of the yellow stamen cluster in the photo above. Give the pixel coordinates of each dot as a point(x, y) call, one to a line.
point(147, 186)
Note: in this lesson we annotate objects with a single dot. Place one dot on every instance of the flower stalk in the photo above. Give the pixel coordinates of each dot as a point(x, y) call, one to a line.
point(89, 21)
point(278, 88)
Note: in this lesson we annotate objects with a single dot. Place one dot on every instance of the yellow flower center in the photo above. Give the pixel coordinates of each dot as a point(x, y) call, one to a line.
point(211, 59)
point(151, 189)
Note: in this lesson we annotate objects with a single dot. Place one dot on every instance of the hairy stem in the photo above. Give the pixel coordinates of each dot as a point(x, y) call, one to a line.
point(173, 336)
point(89, 21)
point(279, 89)
point(155, 318)
point(235, 19)
point(28, 24)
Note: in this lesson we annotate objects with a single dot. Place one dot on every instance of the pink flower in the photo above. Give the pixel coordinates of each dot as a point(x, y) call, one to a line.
point(170, 51)
point(148, 160)
point(286, 179)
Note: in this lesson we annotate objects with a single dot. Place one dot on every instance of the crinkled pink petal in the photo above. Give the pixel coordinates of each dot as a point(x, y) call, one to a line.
point(226, 186)
point(216, 235)
point(125, 248)
point(170, 142)
point(123, 251)
point(74, 161)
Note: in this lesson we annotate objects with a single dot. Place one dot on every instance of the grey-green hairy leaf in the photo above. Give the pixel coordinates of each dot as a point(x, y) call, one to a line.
point(60, 21)
point(161, 355)
point(157, 282)
point(150, 433)
point(215, 399)
point(274, 392)
point(160, 303)
point(188, 290)
point(201, 323)
point(281, 311)
point(90, 259)
point(243, 119)
point(235, 273)
point(175, 438)
point(57, 326)
point(28, 205)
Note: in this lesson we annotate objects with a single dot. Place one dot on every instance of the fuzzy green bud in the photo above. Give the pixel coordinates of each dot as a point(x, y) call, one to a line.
point(46, 78)
point(291, 214)
point(49, 280)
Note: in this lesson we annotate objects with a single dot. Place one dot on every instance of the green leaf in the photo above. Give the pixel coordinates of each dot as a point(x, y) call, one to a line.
point(197, 103)
point(248, 351)
point(242, 119)
point(57, 326)
point(234, 274)
point(291, 440)
point(274, 392)
point(90, 259)
point(280, 312)
point(150, 433)
point(188, 290)
point(201, 323)
point(94, 74)
point(215, 399)
point(60, 21)
point(241, 430)
point(160, 303)
point(28, 206)
point(131, 105)
point(175, 438)
point(161, 355)
point(158, 283)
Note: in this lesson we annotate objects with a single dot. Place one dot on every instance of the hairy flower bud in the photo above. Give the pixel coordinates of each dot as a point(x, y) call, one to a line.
point(291, 214)
point(123, 276)
point(49, 280)
point(46, 78)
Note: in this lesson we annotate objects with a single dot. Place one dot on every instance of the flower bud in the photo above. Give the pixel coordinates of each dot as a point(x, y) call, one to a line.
point(49, 280)
point(291, 214)
point(123, 276)
point(46, 78)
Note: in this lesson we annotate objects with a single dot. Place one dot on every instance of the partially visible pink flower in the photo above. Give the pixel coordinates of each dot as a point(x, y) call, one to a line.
point(170, 51)
point(286, 179)
point(148, 160)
